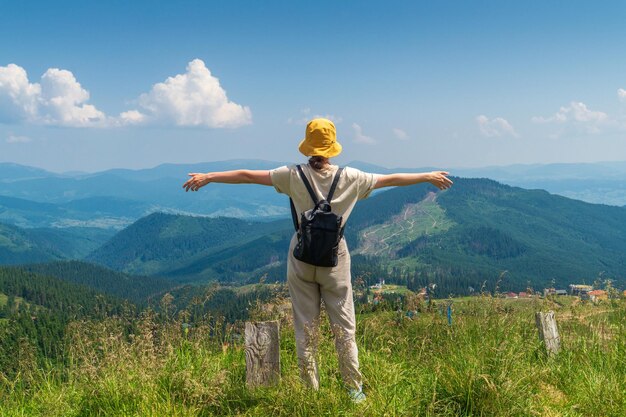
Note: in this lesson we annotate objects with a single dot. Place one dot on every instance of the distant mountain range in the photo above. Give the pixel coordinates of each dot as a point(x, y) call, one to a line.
point(139, 222)
point(116, 198)
point(466, 235)
point(602, 183)
point(32, 197)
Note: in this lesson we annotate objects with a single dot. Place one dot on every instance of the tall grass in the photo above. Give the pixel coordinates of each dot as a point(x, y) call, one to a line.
point(489, 362)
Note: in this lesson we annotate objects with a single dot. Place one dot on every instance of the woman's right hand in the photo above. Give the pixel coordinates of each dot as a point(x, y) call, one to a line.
point(196, 181)
point(440, 180)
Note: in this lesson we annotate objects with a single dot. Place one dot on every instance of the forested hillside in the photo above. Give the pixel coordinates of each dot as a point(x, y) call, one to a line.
point(459, 239)
point(485, 228)
point(20, 245)
point(39, 319)
point(137, 289)
point(36, 307)
point(181, 245)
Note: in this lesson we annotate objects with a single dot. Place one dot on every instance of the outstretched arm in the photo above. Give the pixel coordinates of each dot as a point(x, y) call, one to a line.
point(240, 176)
point(437, 178)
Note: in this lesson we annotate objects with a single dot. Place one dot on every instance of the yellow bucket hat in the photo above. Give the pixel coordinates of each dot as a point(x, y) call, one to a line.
point(320, 139)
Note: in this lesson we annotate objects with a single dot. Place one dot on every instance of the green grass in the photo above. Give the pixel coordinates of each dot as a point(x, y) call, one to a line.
point(4, 298)
point(394, 289)
point(242, 289)
point(489, 362)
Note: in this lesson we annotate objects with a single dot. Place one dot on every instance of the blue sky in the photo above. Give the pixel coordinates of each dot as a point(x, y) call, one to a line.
point(440, 83)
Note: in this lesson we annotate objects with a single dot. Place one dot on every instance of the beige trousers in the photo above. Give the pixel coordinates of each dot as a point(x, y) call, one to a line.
point(308, 285)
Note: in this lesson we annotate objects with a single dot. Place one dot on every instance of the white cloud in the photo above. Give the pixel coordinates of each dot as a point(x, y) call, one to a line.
point(575, 111)
point(131, 117)
point(18, 97)
point(331, 117)
point(495, 127)
point(194, 98)
point(58, 100)
point(400, 134)
point(305, 117)
point(63, 101)
point(359, 137)
point(578, 115)
point(17, 139)
point(621, 93)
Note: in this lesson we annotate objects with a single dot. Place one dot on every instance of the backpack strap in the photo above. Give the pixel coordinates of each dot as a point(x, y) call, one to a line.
point(334, 185)
point(294, 215)
point(307, 185)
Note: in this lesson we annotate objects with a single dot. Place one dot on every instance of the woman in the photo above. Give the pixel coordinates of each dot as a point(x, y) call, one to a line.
point(309, 284)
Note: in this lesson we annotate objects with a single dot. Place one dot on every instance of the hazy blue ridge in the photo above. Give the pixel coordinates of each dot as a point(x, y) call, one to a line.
point(10, 172)
point(115, 198)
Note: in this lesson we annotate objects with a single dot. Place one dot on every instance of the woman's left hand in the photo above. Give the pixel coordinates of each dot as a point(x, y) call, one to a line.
point(440, 179)
point(196, 181)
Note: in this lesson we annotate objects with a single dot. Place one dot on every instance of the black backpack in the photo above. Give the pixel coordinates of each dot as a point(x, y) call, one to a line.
point(320, 229)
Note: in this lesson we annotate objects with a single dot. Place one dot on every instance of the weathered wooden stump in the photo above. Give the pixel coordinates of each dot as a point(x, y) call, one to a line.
point(262, 353)
point(548, 332)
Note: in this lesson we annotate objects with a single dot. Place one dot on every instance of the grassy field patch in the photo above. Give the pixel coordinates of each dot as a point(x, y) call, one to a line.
point(488, 362)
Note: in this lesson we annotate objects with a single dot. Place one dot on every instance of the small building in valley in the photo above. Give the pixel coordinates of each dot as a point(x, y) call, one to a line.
point(553, 291)
point(580, 289)
point(598, 295)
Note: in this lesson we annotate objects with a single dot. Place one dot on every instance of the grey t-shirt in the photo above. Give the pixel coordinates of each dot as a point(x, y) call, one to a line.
point(353, 185)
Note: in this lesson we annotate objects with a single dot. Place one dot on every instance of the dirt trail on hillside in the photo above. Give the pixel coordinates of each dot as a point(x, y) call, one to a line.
point(376, 245)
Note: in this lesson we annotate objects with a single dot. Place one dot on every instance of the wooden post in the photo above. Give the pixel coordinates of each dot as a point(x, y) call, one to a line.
point(262, 353)
point(548, 332)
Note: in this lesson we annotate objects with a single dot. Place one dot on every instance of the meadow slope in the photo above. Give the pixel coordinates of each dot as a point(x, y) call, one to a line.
point(488, 362)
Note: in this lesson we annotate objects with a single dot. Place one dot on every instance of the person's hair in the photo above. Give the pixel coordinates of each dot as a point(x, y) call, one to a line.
point(318, 162)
